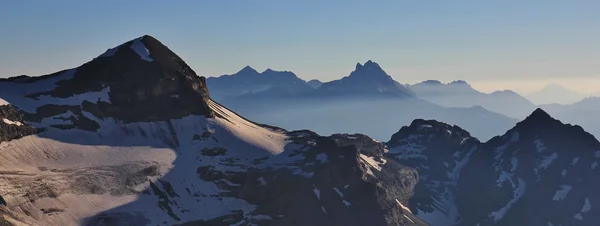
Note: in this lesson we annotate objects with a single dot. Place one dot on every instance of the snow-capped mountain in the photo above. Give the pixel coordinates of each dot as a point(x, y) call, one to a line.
point(540, 172)
point(460, 94)
point(249, 81)
point(133, 138)
point(365, 81)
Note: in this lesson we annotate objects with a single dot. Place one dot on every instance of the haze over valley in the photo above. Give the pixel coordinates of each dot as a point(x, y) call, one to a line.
point(402, 113)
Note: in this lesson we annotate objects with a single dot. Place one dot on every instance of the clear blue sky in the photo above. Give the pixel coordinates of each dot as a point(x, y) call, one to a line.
point(479, 41)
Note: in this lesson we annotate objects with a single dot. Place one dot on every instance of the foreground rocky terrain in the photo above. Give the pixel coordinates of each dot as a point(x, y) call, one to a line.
point(541, 172)
point(133, 138)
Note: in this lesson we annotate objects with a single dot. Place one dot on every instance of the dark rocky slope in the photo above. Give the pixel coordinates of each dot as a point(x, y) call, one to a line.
point(541, 172)
point(140, 96)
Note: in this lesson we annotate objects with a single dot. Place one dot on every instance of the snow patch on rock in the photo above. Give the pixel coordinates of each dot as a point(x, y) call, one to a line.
point(139, 48)
point(562, 193)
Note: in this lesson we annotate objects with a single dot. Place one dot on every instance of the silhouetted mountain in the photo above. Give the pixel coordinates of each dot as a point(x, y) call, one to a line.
point(555, 94)
point(582, 113)
point(460, 94)
point(365, 81)
point(133, 138)
point(315, 83)
point(249, 81)
point(540, 172)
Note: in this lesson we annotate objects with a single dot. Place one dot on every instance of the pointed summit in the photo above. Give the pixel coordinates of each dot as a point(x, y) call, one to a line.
point(247, 70)
point(368, 80)
point(138, 75)
point(358, 66)
point(539, 122)
point(539, 115)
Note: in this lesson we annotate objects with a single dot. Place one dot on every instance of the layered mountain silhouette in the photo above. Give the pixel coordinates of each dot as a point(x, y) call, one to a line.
point(366, 80)
point(555, 94)
point(249, 82)
point(368, 101)
point(460, 94)
point(315, 83)
point(540, 172)
point(133, 138)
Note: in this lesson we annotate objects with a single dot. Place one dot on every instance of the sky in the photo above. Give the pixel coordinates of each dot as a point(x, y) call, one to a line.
point(519, 45)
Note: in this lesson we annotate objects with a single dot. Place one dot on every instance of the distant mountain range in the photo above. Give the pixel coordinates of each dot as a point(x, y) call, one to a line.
point(367, 96)
point(460, 94)
point(250, 81)
point(134, 137)
point(555, 94)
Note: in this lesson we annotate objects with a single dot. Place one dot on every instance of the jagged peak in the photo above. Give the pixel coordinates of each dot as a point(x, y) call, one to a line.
point(358, 65)
point(429, 126)
point(371, 64)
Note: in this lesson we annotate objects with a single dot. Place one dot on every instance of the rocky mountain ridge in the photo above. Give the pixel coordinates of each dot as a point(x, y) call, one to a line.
point(540, 172)
point(133, 138)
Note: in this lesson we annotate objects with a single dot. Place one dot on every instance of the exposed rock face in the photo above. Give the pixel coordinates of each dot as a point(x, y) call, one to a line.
point(12, 125)
point(138, 76)
point(541, 172)
point(132, 138)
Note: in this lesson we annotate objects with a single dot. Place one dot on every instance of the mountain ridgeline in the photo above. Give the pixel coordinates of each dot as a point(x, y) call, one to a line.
point(135, 137)
point(540, 172)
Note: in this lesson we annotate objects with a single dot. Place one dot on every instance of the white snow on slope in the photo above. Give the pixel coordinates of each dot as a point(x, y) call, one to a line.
point(116, 144)
point(139, 48)
point(545, 162)
point(445, 210)
point(317, 192)
point(403, 206)
point(14, 92)
point(372, 162)
point(587, 206)
point(539, 145)
point(562, 193)
point(9, 122)
point(410, 150)
point(3, 102)
point(517, 194)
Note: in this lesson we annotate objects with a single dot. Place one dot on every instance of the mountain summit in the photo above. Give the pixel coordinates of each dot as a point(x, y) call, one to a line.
point(248, 81)
point(540, 172)
point(366, 80)
point(132, 138)
point(126, 82)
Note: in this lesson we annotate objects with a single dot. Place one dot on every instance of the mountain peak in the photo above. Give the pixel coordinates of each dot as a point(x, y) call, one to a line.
point(430, 82)
point(539, 114)
point(371, 64)
point(138, 75)
point(539, 119)
point(247, 70)
point(459, 82)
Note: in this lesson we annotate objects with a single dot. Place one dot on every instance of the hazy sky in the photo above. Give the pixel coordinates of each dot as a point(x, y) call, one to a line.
point(520, 45)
